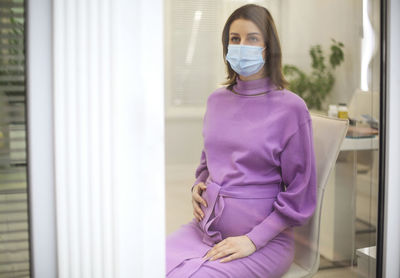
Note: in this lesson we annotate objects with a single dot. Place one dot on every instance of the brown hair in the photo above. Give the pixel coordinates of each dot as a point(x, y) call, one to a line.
point(261, 17)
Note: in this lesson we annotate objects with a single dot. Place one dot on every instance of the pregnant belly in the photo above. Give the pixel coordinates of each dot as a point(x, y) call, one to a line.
point(234, 211)
point(239, 216)
point(228, 216)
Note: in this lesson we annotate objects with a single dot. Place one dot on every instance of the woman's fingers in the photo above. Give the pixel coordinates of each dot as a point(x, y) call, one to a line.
point(197, 210)
point(203, 186)
point(200, 187)
point(199, 199)
point(198, 217)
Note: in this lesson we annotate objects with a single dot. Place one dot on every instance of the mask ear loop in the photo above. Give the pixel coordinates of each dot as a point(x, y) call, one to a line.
point(265, 53)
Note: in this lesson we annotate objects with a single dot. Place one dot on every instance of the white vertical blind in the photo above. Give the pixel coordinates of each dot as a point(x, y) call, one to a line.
point(138, 98)
point(109, 138)
point(82, 129)
point(193, 35)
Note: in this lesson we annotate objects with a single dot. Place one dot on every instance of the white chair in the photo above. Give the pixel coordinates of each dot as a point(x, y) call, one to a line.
point(328, 134)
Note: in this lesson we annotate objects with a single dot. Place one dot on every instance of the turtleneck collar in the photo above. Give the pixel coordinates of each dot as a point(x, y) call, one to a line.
point(251, 87)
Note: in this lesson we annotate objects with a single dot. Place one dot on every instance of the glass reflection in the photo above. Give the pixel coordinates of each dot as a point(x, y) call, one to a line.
point(194, 69)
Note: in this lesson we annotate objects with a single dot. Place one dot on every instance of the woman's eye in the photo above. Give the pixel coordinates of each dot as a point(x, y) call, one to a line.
point(253, 39)
point(235, 39)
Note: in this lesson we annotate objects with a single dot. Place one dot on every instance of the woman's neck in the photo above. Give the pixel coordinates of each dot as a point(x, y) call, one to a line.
point(254, 86)
point(255, 76)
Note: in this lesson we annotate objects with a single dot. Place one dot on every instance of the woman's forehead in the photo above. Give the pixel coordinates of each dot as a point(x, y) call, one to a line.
point(243, 27)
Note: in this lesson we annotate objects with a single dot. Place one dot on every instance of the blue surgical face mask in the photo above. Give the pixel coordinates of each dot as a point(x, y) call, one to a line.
point(245, 59)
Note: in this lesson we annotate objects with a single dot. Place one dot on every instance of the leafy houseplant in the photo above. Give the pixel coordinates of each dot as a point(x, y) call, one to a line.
point(314, 87)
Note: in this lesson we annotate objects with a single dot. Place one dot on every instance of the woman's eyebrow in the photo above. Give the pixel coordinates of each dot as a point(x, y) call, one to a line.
point(254, 33)
point(249, 34)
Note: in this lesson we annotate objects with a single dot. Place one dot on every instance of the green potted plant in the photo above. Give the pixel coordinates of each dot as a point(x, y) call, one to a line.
point(314, 87)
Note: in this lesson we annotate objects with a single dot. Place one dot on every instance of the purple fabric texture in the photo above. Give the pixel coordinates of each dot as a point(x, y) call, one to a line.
point(258, 164)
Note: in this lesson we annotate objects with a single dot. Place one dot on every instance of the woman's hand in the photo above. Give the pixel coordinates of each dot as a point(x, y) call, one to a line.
point(237, 247)
point(197, 199)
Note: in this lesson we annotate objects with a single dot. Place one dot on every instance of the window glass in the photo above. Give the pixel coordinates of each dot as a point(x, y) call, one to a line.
point(331, 58)
point(14, 224)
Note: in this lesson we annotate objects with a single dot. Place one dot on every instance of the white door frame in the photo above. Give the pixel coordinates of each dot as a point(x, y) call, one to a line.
point(41, 191)
point(391, 248)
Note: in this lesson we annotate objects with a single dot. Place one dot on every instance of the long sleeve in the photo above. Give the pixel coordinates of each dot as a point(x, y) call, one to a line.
point(201, 173)
point(297, 203)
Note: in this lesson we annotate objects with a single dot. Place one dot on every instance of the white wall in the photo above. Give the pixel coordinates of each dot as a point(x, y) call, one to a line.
point(308, 22)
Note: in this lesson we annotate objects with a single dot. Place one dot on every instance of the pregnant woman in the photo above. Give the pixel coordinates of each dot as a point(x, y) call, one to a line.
point(257, 178)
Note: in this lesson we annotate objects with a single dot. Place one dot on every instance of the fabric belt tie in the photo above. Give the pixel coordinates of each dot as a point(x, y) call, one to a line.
point(214, 193)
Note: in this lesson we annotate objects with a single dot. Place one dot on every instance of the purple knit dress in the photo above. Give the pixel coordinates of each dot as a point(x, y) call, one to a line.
point(259, 166)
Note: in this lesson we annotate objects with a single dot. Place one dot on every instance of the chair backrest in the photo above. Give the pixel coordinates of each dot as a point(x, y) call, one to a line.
point(328, 134)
